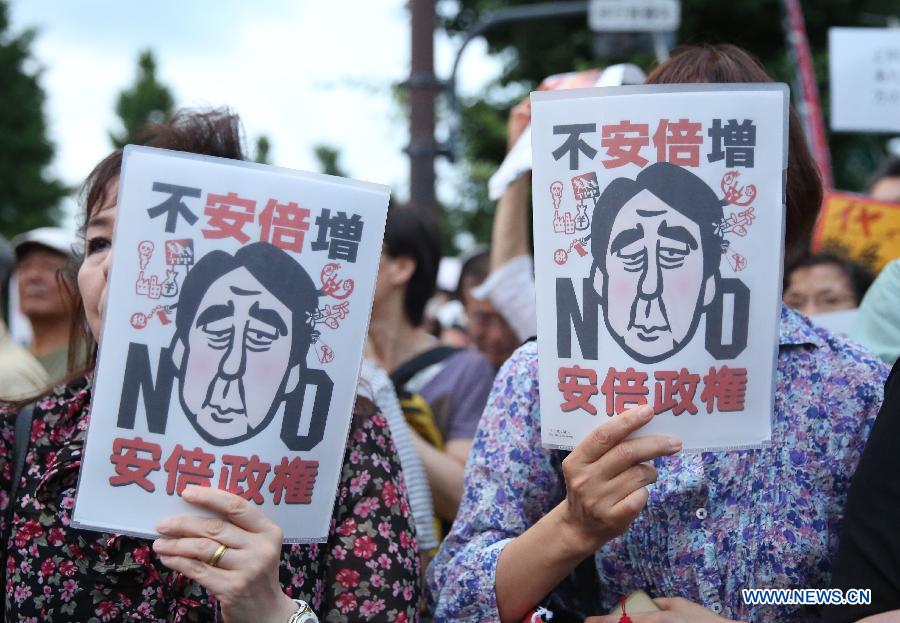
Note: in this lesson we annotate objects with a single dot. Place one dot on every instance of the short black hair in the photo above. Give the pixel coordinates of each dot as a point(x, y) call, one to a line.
point(889, 167)
point(676, 187)
point(7, 262)
point(475, 269)
point(277, 271)
point(412, 232)
point(857, 275)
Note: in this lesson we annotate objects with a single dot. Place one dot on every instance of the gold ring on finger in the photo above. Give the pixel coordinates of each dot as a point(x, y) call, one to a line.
point(217, 555)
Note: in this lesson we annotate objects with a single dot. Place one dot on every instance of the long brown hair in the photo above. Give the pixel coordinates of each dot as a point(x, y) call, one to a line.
point(729, 63)
point(214, 132)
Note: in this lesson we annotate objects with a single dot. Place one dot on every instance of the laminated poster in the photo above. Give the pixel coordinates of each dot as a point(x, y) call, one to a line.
point(659, 238)
point(239, 300)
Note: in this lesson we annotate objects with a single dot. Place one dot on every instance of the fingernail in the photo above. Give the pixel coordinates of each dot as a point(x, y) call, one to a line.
point(163, 526)
point(674, 444)
point(646, 412)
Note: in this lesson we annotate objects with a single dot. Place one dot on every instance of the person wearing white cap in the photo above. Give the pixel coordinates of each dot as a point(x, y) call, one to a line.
point(20, 374)
point(40, 256)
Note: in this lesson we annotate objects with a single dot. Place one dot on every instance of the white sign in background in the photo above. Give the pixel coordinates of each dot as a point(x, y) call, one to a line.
point(635, 330)
point(634, 15)
point(236, 364)
point(864, 65)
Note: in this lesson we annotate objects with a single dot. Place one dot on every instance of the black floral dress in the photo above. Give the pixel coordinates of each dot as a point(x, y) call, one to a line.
point(366, 571)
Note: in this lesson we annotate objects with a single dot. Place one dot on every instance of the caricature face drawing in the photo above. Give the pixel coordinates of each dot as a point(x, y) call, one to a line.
point(240, 346)
point(654, 261)
point(241, 341)
point(658, 268)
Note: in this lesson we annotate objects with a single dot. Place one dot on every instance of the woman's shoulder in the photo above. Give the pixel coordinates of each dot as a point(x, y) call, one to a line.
point(366, 415)
point(839, 360)
point(369, 436)
point(854, 362)
point(522, 363)
point(69, 397)
point(517, 378)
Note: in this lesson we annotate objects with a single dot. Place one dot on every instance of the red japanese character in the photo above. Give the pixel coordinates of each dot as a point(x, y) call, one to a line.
point(864, 217)
point(134, 459)
point(727, 387)
point(331, 315)
point(678, 142)
point(333, 285)
point(737, 224)
point(624, 388)
point(283, 224)
point(326, 354)
point(295, 480)
point(738, 262)
point(577, 395)
point(623, 143)
point(138, 320)
point(227, 216)
point(735, 194)
point(239, 469)
point(675, 391)
point(188, 467)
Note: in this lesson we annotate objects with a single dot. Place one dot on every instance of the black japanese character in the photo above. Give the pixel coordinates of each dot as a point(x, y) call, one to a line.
point(339, 234)
point(574, 143)
point(738, 140)
point(173, 205)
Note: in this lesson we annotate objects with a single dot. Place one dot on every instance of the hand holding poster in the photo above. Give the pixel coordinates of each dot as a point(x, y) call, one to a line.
point(659, 227)
point(237, 307)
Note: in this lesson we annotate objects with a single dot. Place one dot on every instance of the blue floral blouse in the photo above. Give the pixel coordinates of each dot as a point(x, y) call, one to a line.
point(715, 523)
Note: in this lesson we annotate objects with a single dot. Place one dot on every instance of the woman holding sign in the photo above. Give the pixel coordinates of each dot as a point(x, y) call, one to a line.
point(580, 532)
point(233, 566)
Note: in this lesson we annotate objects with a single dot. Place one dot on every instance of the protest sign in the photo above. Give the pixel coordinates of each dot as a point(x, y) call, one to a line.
point(859, 228)
point(658, 226)
point(238, 303)
point(864, 68)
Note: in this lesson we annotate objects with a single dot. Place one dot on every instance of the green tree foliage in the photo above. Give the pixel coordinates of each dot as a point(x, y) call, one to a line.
point(263, 145)
point(29, 197)
point(329, 160)
point(541, 48)
point(145, 101)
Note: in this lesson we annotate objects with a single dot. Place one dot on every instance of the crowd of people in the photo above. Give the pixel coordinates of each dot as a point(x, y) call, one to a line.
point(472, 519)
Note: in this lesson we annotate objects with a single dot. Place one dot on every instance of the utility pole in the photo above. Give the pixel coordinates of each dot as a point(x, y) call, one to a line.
point(423, 88)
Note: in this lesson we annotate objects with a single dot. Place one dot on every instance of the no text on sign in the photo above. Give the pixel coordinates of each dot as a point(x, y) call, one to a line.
point(634, 15)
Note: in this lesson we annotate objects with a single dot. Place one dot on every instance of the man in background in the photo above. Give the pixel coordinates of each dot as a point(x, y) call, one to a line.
point(823, 283)
point(20, 373)
point(41, 255)
point(488, 328)
point(885, 183)
point(454, 383)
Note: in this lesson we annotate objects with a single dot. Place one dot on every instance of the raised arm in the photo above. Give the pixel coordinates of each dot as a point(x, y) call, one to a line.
point(509, 236)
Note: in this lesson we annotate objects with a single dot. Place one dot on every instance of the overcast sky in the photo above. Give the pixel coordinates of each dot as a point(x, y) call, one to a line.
point(303, 72)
